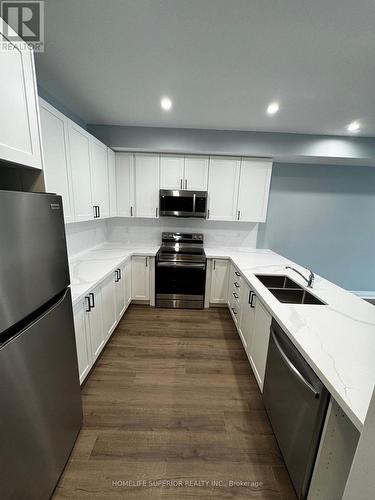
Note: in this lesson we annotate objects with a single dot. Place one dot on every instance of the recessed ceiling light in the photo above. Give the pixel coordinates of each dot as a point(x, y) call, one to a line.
point(353, 127)
point(273, 108)
point(166, 103)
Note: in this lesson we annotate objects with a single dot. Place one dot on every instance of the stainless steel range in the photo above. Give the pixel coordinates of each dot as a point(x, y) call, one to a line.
point(180, 278)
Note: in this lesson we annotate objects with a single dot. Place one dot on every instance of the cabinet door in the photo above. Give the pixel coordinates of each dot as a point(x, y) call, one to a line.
point(219, 282)
point(56, 169)
point(223, 188)
point(196, 173)
point(79, 143)
point(99, 177)
point(111, 159)
point(19, 122)
point(128, 283)
point(121, 292)
point(247, 317)
point(146, 185)
point(140, 278)
point(125, 184)
point(95, 322)
point(254, 186)
point(171, 172)
point(82, 339)
point(259, 347)
point(108, 292)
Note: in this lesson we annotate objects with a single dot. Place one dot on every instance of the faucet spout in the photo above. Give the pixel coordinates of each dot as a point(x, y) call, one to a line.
point(309, 280)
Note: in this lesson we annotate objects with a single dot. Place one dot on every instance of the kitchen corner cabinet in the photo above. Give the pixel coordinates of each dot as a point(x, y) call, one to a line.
point(79, 142)
point(253, 190)
point(111, 160)
point(56, 165)
point(20, 135)
point(83, 344)
point(219, 281)
point(146, 174)
point(125, 184)
point(99, 178)
point(140, 277)
point(223, 181)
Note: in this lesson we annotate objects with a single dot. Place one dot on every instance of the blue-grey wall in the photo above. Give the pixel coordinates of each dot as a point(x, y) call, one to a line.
point(59, 106)
point(323, 217)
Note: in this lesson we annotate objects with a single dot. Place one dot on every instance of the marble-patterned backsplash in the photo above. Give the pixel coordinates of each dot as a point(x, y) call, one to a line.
point(83, 236)
point(148, 231)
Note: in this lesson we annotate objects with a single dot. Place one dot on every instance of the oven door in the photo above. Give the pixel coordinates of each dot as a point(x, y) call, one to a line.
point(182, 203)
point(180, 284)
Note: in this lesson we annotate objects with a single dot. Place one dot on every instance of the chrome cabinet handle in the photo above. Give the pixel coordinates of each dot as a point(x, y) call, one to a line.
point(92, 296)
point(88, 304)
point(292, 368)
point(235, 295)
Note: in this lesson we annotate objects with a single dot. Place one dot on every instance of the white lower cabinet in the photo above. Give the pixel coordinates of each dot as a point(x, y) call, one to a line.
point(259, 343)
point(246, 325)
point(219, 281)
point(95, 323)
point(123, 288)
point(140, 277)
point(83, 344)
point(109, 299)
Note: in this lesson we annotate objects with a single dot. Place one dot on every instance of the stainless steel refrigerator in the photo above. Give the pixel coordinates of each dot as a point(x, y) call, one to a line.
point(40, 400)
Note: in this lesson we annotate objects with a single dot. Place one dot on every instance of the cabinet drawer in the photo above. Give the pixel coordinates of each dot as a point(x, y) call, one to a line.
point(236, 295)
point(236, 277)
point(234, 308)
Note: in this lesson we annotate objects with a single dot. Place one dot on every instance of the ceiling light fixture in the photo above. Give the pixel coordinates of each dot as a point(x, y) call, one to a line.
point(273, 108)
point(353, 127)
point(166, 103)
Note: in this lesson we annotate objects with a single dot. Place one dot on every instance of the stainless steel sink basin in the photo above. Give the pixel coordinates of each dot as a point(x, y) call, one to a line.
point(293, 296)
point(277, 281)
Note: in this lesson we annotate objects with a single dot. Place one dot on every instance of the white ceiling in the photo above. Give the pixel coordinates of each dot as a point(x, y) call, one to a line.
point(220, 61)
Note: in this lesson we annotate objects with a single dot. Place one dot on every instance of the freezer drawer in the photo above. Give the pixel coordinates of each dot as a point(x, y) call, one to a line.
point(33, 256)
point(41, 411)
point(296, 403)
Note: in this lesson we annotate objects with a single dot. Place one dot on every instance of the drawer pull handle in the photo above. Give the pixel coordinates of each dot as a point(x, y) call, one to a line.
point(235, 295)
point(236, 284)
point(237, 273)
point(234, 311)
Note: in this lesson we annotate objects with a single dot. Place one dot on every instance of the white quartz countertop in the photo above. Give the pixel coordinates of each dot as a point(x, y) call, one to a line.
point(337, 339)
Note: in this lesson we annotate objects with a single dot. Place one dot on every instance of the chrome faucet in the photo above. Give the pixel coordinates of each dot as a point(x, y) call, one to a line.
point(309, 281)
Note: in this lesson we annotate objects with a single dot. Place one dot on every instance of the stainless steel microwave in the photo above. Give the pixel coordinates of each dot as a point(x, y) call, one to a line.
point(181, 203)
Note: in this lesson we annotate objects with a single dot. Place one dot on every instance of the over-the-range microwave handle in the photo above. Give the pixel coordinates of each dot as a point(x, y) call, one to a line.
point(292, 368)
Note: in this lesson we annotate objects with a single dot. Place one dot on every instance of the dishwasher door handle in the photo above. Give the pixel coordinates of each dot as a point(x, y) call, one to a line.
point(293, 369)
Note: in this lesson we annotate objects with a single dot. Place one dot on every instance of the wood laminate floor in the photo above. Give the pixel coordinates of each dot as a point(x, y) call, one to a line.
point(172, 411)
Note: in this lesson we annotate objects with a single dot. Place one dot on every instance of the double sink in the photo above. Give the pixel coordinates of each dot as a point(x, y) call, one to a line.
point(288, 291)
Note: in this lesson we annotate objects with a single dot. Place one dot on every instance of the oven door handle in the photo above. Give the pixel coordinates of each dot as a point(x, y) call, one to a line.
point(187, 265)
point(292, 368)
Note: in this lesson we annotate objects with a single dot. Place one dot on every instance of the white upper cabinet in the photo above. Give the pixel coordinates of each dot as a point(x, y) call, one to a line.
point(19, 121)
point(171, 172)
point(253, 190)
point(125, 184)
point(196, 173)
point(79, 142)
point(99, 178)
point(146, 185)
point(57, 173)
point(111, 158)
point(223, 188)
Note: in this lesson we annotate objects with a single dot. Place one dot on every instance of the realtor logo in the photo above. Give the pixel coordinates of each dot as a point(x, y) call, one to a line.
point(27, 20)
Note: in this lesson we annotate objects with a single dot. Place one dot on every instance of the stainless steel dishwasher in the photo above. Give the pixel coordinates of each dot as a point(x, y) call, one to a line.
point(296, 402)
